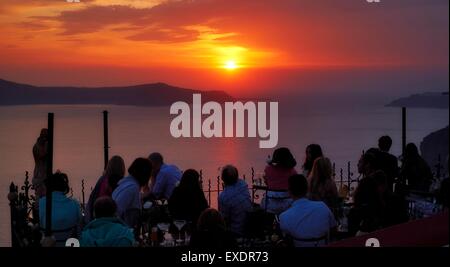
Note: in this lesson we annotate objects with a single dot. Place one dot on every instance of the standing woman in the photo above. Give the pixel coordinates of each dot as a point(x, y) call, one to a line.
point(114, 172)
point(276, 175)
point(415, 171)
point(40, 152)
point(313, 151)
point(321, 184)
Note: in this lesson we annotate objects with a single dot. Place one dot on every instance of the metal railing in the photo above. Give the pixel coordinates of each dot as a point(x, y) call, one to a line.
point(25, 217)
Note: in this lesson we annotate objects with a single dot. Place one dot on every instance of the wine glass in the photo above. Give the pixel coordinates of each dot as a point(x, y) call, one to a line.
point(179, 224)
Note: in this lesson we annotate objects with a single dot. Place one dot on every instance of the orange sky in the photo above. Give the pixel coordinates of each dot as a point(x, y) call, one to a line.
point(42, 36)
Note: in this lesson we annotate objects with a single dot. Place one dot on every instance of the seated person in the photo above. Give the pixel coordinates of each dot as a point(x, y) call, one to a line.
point(276, 175)
point(164, 179)
point(234, 200)
point(211, 232)
point(66, 212)
point(313, 151)
point(307, 222)
point(127, 194)
point(115, 170)
point(188, 200)
point(106, 230)
point(366, 214)
point(321, 184)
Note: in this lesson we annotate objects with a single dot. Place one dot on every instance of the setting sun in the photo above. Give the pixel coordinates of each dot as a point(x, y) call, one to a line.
point(230, 65)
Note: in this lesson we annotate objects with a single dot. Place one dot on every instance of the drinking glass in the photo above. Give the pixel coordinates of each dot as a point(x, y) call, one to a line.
point(164, 227)
point(179, 224)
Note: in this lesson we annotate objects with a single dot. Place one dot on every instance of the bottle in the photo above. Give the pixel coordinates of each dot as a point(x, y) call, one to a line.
point(154, 236)
point(276, 231)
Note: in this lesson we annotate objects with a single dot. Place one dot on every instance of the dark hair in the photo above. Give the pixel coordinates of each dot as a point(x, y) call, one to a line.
point(373, 158)
point(316, 151)
point(105, 207)
point(385, 143)
point(156, 157)
point(190, 180)
point(283, 157)
point(210, 220)
point(230, 175)
point(141, 169)
point(298, 185)
point(57, 182)
point(411, 151)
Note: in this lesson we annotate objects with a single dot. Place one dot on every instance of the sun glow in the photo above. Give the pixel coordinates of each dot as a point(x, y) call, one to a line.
point(230, 65)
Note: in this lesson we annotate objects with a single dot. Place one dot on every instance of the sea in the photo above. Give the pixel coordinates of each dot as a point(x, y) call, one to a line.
point(342, 131)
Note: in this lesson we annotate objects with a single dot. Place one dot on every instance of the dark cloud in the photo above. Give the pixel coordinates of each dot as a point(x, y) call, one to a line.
point(338, 29)
point(165, 36)
point(32, 25)
point(95, 18)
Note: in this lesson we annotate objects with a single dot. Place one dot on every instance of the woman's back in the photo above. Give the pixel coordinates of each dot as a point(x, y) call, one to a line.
point(321, 184)
point(66, 217)
point(326, 192)
point(277, 177)
point(187, 204)
point(65, 211)
point(418, 173)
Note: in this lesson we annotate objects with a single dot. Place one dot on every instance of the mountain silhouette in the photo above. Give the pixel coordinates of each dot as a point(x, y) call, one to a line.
point(424, 100)
point(155, 94)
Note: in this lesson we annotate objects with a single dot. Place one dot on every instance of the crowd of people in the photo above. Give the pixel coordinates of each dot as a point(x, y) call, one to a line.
point(304, 203)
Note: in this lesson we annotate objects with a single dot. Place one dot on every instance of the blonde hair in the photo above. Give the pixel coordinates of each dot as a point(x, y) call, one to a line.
point(321, 171)
point(115, 170)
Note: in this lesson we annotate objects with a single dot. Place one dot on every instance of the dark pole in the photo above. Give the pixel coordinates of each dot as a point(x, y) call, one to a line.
point(105, 137)
point(48, 204)
point(403, 130)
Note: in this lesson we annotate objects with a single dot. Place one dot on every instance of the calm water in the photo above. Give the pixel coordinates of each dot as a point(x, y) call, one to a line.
point(136, 131)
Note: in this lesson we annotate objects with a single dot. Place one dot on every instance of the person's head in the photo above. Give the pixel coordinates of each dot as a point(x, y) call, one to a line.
point(190, 180)
point(115, 170)
point(322, 169)
point(312, 152)
point(385, 143)
point(105, 207)
point(210, 220)
point(57, 182)
point(157, 161)
point(369, 162)
point(297, 186)
point(411, 151)
point(141, 170)
point(44, 132)
point(282, 157)
point(229, 175)
point(43, 135)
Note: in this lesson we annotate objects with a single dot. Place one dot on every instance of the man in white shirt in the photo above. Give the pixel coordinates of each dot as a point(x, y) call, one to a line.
point(307, 222)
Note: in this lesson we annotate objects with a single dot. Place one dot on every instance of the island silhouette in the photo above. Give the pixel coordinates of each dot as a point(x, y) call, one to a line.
point(154, 94)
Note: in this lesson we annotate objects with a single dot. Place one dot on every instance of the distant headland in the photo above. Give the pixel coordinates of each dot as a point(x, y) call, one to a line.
point(155, 94)
point(424, 100)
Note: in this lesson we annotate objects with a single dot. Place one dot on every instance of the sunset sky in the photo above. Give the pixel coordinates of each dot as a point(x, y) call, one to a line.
point(216, 44)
